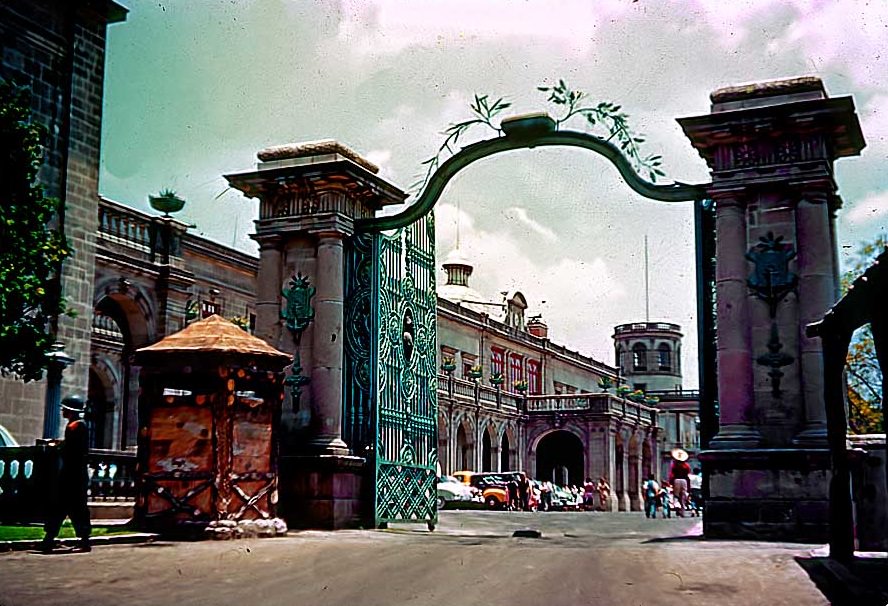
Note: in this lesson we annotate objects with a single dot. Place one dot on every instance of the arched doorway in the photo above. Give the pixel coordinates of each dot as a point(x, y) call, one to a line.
point(505, 459)
point(486, 452)
point(121, 324)
point(560, 458)
point(465, 452)
point(101, 408)
point(619, 485)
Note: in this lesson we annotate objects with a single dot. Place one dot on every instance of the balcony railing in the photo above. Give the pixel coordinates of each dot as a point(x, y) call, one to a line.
point(112, 475)
point(125, 226)
point(599, 403)
point(464, 389)
point(29, 479)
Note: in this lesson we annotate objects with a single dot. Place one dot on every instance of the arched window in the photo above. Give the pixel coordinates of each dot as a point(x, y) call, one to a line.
point(639, 357)
point(664, 357)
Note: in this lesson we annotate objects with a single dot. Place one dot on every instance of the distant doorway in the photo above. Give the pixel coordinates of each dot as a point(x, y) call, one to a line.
point(560, 458)
point(486, 453)
point(505, 462)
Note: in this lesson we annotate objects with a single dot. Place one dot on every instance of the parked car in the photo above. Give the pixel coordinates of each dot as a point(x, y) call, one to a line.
point(563, 499)
point(6, 438)
point(494, 493)
point(494, 487)
point(453, 493)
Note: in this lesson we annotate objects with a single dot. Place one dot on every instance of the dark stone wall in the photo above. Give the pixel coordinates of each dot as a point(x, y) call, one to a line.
point(57, 48)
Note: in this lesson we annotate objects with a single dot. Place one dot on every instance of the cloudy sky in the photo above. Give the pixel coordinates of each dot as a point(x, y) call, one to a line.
point(194, 89)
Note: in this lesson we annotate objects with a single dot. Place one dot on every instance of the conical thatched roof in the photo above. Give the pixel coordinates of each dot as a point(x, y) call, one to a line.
point(213, 335)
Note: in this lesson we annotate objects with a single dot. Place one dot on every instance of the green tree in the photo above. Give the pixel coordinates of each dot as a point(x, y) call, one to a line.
point(31, 247)
point(862, 370)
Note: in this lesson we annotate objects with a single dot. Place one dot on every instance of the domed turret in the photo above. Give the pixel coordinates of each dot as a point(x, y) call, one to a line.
point(457, 289)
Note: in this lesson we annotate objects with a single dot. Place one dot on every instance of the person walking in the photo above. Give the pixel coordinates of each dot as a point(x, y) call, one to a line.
point(604, 490)
point(678, 475)
point(546, 496)
point(73, 482)
point(666, 500)
point(651, 496)
point(589, 490)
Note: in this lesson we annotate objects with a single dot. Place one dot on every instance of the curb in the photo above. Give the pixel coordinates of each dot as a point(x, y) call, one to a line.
point(118, 539)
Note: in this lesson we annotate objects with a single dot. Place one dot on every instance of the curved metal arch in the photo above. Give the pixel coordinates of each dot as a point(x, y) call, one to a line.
point(677, 192)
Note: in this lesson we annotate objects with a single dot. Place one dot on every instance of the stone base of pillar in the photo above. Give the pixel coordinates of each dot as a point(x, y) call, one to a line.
point(813, 436)
point(328, 447)
point(767, 494)
point(731, 437)
point(623, 502)
point(611, 504)
point(636, 502)
point(323, 492)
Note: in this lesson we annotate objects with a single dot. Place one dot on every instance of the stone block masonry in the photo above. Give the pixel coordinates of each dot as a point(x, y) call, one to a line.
point(59, 51)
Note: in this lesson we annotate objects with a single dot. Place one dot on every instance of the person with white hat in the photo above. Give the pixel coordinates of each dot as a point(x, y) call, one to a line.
point(73, 482)
point(678, 475)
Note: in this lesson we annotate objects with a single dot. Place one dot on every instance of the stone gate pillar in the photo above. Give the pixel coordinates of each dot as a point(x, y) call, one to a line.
point(310, 196)
point(771, 148)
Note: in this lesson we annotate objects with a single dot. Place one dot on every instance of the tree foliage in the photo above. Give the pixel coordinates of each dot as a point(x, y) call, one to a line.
point(863, 374)
point(31, 249)
point(567, 102)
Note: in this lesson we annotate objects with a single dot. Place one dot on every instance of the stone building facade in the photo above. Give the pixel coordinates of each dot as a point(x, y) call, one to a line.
point(57, 49)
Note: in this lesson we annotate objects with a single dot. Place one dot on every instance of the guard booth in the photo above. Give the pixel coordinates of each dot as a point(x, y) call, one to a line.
point(209, 409)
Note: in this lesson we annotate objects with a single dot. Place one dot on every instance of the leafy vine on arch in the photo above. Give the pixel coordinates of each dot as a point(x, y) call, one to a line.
point(569, 104)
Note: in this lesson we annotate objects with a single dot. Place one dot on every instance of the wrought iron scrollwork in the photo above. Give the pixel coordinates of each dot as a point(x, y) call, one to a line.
point(772, 282)
point(297, 314)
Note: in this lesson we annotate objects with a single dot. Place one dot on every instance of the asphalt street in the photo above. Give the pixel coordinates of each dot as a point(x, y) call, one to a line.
point(471, 559)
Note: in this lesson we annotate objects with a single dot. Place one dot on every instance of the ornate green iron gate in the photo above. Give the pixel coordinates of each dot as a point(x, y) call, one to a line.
point(404, 380)
point(391, 375)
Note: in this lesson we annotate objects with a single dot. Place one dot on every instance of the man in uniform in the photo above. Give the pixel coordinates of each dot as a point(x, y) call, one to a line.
point(73, 479)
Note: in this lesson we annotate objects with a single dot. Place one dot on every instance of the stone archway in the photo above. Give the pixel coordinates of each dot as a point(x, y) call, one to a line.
point(103, 396)
point(559, 458)
point(619, 486)
point(122, 322)
point(505, 463)
point(487, 454)
point(443, 445)
point(464, 456)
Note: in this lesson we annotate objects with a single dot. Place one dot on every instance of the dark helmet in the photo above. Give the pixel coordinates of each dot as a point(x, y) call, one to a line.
point(74, 404)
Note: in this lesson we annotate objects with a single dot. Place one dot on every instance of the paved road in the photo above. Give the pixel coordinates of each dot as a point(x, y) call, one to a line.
point(471, 559)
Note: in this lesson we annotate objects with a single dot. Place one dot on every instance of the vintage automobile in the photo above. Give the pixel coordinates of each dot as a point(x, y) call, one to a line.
point(494, 487)
point(455, 494)
point(563, 499)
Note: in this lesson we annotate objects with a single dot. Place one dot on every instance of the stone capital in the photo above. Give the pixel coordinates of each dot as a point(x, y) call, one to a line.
point(730, 197)
point(267, 241)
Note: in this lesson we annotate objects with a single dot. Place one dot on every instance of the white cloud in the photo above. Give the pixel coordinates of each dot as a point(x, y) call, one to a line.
point(390, 26)
point(521, 215)
point(579, 298)
point(869, 209)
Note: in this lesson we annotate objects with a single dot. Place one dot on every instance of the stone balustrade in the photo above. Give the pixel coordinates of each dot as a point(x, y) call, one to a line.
point(29, 477)
point(124, 226)
point(112, 475)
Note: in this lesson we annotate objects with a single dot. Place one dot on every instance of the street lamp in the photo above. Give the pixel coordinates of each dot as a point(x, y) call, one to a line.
point(56, 362)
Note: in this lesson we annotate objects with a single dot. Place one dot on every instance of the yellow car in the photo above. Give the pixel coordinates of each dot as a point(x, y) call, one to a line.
point(493, 486)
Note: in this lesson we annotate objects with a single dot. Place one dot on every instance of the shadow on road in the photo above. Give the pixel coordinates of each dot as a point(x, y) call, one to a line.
point(862, 582)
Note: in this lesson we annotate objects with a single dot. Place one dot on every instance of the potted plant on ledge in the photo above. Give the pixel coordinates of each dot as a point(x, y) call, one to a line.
point(497, 379)
point(475, 372)
point(521, 386)
point(623, 390)
point(605, 383)
point(448, 365)
point(166, 202)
